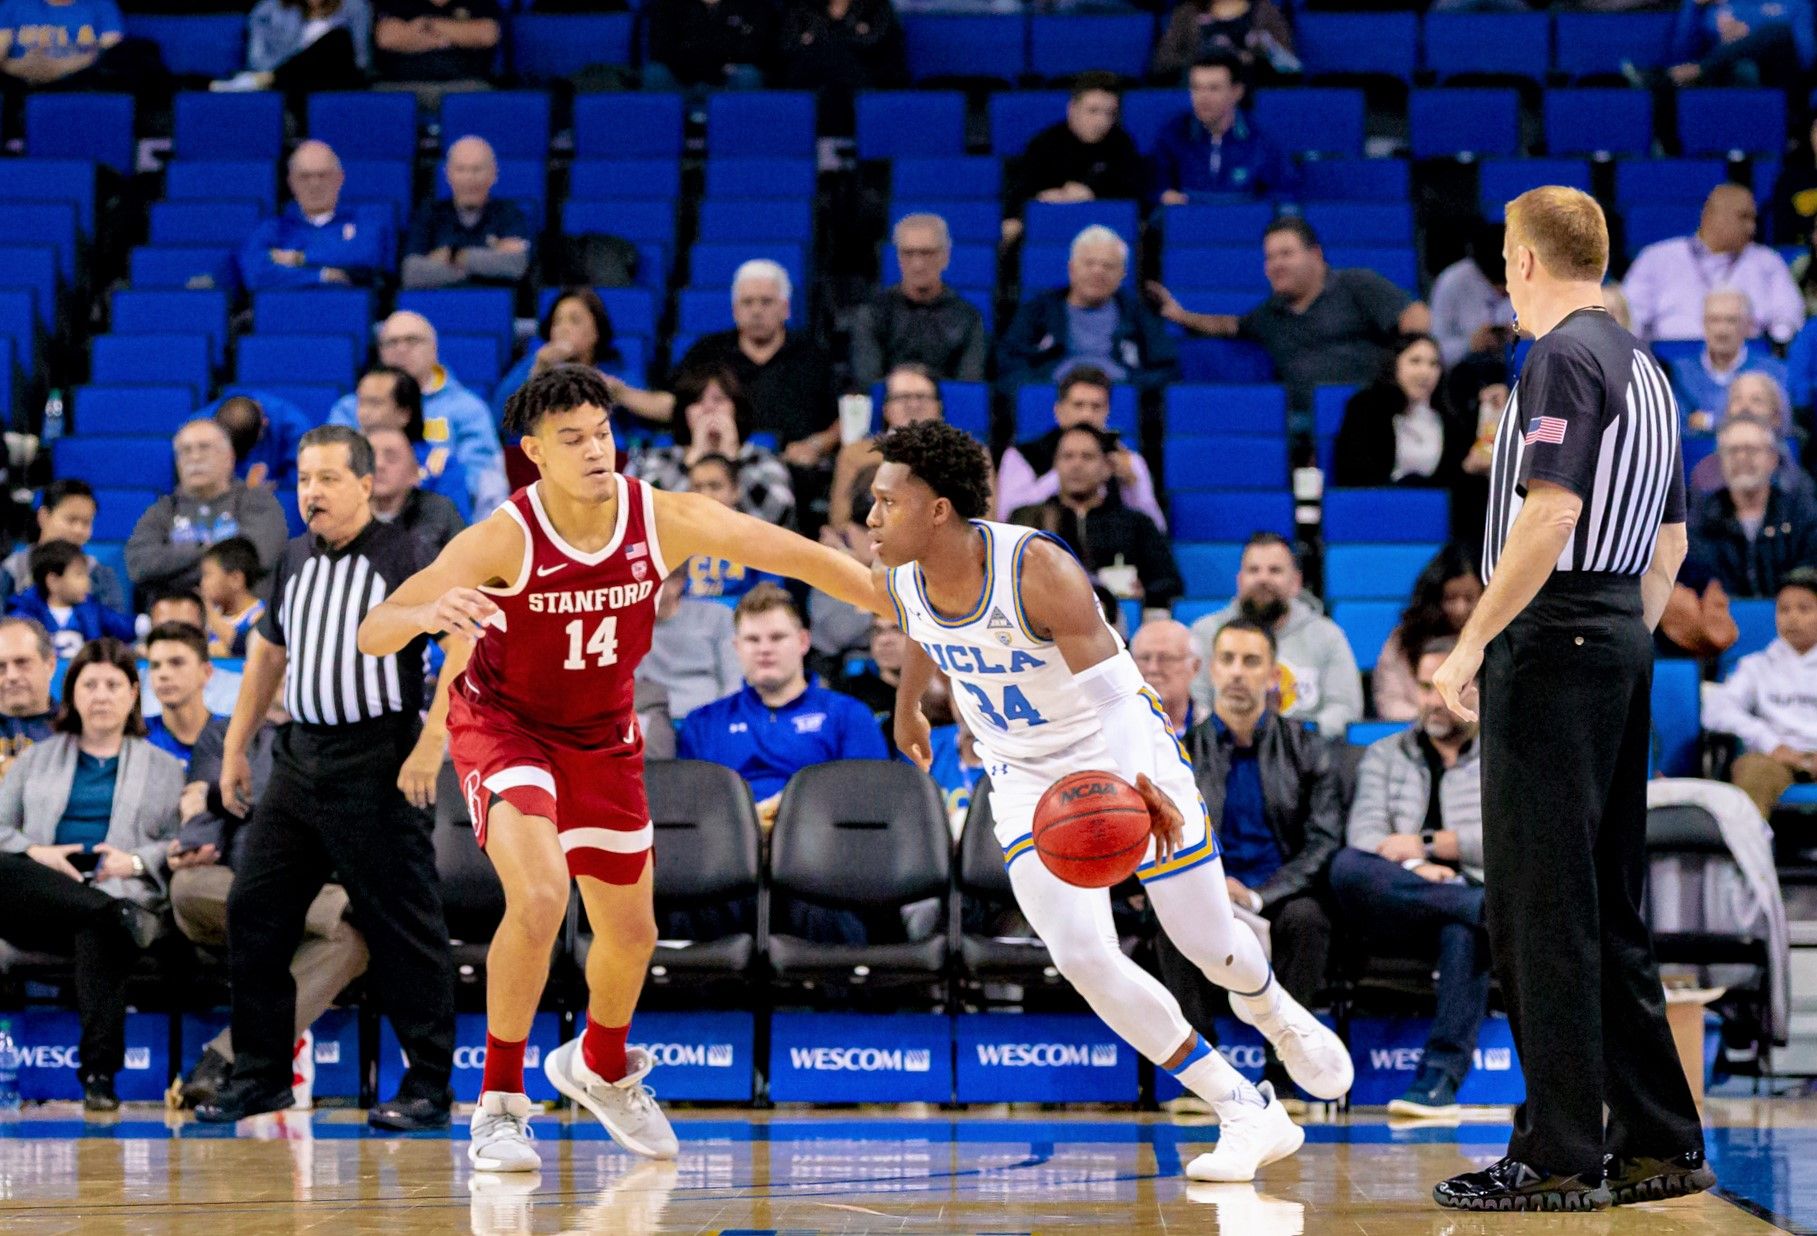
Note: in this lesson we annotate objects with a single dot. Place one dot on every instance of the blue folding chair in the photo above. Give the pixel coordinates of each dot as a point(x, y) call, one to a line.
point(1380, 224)
point(224, 180)
point(893, 124)
point(968, 222)
point(211, 45)
point(1057, 223)
point(1374, 571)
point(464, 311)
point(1676, 700)
point(1144, 113)
point(365, 124)
point(1397, 264)
point(1313, 119)
point(761, 124)
point(1387, 515)
point(526, 182)
point(1224, 360)
point(313, 399)
point(963, 177)
point(514, 122)
point(1329, 402)
point(1488, 45)
point(967, 405)
point(138, 463)
point(69, 181)
point(1228, 225)
point(602, 180)
point(387, 189)
point(987, 45)
point(1500, 181)
point(722, 220)
point(1209, 567)
point(52, 224)
point(97, 127)
point(1210, 515)
point(1225, 461)
point(1464, 121)
point(315, 311)
point(181, 266)
point(1016, 116)
point(634, 221)
point(1718, 121)
point(1354, 180)
point(1645, 225)
point(132, 411)
point(1598, 120)
point(1257, 409)
point(1357, 44)
point(478, 359)
point(228, 126)
point(160, 360)
point(267, 359)
point(1367, 625)
point(134, 312)
point(1651, 182)
point(32, 268)
point(756, 179)
point(1063, 44)
point(546, 47)
point(632, 311)
point(702, 311)
point(1368, 733)
point(1598, 44)
point(627, 125)
point(1754, 618)
point(226, 224)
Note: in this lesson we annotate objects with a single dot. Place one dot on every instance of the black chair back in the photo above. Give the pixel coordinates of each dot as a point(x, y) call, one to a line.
point(861, 833)
point(708, 846)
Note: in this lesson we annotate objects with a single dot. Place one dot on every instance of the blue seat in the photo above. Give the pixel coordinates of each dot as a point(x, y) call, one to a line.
point(32, 268)
point(1596, 44)
point(1258, 408)
point(1062, 44)
point(182, 266)
point(1374, 572)
point(761, 178)
point(713, 265)
point(1498, 44)
point(478, 359)
point(204, 45)
point(117, 511)
point(98, 127)
point(761, 124)
point(1328, 403)
point(969, 222)
point(514, 122)
point(1209, 567)
point(1224, 360)
point(727, 220)
point(701, 311)
point(1367, 625)
point(1016, 116)
point(53, 180)
point(964, 177)
point(1322, 119)
point(991, 45)
point(971, 266)
point(627, 125)
point(44, 223)
point(968, 406)
point(1754, 619)
point(134, 312)
point(1598, 120)
point(1035, 410)
point(365, 124)
point(1677, 717)
point(1211, 515)
point(464, 311)
point(1718, 121)
point(1650, 182)
point(1645, 225)
point(1225, 461)
point(264, 359)
point(386, 189)
point(1478, 121)
point(138, 463)
point(1361, 223)
point(1228, 225)
point(1368, 733)
point(134, 411)
point(18, 338)
point(1387, 515)
point(1189, 610)
point(548, 46)
point(315, 311)
point(1044, 266)
point(226, 224)
point(1056, 223)
point(1500, 181)
point(892, 124)
point(1355, 180)
point(224, 180)
point(1144, 113)
point(635, 221)
point(600, 180)
point(228, 126)
point(1357, 44)
point(1397, 264)
point(160, 360)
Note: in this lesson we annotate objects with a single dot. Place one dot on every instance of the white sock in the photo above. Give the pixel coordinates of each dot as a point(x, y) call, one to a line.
point(1213, 1079)
point(1267, 1002)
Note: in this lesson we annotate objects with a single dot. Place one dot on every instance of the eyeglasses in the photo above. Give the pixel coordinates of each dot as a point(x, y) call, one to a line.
point(903, 254)
point(1161, 658)
point(400, 341)
point(911, 397)
point(1743, 452)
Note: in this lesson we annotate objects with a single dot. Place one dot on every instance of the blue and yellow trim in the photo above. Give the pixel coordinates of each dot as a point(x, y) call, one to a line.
point(889, 586)
point(984, 597)
point(1155, 706)
point(1016, 580)
point(1193, 856)
point(1017, 848)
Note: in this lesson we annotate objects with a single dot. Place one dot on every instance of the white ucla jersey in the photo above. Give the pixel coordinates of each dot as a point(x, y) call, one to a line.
point(1012, 686)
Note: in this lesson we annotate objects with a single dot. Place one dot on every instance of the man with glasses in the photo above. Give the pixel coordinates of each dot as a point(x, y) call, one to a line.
point(1162, 649)
point(1753, 530)
point(208, 505)
point(920, 320)
point(314, 241)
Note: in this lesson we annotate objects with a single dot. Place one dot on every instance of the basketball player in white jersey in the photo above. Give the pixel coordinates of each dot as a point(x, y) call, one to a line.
point(1048, 689)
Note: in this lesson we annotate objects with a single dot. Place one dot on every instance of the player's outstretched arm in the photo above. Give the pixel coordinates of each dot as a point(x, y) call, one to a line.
point(912, 732)
point(689, 524)
point(444, 596)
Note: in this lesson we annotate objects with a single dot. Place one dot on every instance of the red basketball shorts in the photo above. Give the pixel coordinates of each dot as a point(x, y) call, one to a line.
point(594, 796)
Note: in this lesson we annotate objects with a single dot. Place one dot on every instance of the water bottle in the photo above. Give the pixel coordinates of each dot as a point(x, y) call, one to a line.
point(53, 418)
point(9, 1067)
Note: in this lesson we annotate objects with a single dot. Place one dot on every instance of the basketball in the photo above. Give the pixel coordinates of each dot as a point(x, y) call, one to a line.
point(1092, 829)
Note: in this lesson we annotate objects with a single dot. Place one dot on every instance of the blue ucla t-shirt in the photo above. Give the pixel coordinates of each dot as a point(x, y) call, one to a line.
point(721, 580)
point(69, 28)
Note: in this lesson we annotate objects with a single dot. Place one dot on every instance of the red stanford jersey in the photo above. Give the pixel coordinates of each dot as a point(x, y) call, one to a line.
point(572, 627)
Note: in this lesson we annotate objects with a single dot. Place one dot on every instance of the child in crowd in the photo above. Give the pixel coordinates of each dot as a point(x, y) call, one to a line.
point(1770, 700)
point(230, 572)
point(60, 599)
point(66, 512)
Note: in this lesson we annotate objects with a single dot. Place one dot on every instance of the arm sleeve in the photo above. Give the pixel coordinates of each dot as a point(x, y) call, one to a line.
point(1783, 314)
point(1674, 510)
point(107, 586)
point(1561, 384)
point(116, 624)
point(1369, 825)
point(1641, 285)
point(1128, 714)
point(1140, 494)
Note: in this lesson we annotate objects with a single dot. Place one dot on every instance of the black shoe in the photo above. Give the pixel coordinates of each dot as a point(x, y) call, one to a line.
point(206, 1081)
point(1512, 1185)
point(403, 1115)
point(1654, 1180)
point(141, 924)
point(98, 1094)
point(239, 1098)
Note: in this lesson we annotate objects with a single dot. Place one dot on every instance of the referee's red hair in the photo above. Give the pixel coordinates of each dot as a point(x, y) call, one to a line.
point(1566, 230)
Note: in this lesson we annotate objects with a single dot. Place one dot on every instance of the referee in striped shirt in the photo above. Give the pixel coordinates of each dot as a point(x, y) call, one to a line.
point(1584, 537)
point(350, 774)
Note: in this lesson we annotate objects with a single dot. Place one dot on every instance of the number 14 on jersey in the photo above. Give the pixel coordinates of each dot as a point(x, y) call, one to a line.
point(602, 645)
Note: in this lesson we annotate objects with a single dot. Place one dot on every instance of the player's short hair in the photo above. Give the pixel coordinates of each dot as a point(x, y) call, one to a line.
point(187, 634)
point(359, 451)
point(763, 599)
point(1264, 538)
point(236, 553)
point(1082, 375)
point(559, 388)
point(63, 489)
point(1566, 230)
point(50, 558)
point(947, 460)
point(1251, 625)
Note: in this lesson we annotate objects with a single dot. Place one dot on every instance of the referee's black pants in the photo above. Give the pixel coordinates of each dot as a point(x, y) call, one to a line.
point(332, 809)
point(1566, 731)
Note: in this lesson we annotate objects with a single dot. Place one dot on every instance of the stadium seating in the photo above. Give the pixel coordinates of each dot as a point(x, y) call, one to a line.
point(1375, 572)
point(228, 126)
point(96, 127)
point(895, 124)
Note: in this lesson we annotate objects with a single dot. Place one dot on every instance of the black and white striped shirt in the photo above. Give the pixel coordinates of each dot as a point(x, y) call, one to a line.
point(1592, 412)
point(318, 597)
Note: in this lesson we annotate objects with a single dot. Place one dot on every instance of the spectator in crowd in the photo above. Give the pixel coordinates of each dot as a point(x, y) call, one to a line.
point(577, 330)
point(177, 663)
point(1701, 383)
point(1742, 43)
point(1316, 678)
point(1086, 157)
point(314, 240)
point(231, 575)
point(1163, 651)
point(875, 687)
point(781, 722)
point(787, 377)
point(1697, 621)
point(720, 579)
point(264, 430)
point(1253, 33)
point(1393, 434)
point(1094, 320)
point(302, 46)
point(453, 416)
point(177, 605)
point(1759, 396)
point(837, 47)
point(1412, 869)
point(910, 393)
point(1751, 532)
point(1027, 475)
point(1769, 700)
point(388, 398)
point(1795, 203)
point(703, 45)
point(397, 496)
point(920, 320)
point(208, 505)
point(436, 40)
point(471, 237)
point(60, 600)
point(1320, 325)
point(1122, 548)
point(838, 629)
point(1666, 283)
point(94, 797)
point(66, 512)
point(1471, 313)
point(717, 419)
point(692, 650)
point(1444, 597)
point(956, 766)
point(1271, 784)
point(27, 661)
point(68, 46)
point(1213, 150)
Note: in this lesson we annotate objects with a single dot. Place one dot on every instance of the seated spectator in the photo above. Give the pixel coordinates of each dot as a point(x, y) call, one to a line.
point(1321, 325)
point(177, 605)
point(208, 505)
point(1027, 476)
point(436, 40)
point(577, 330)
point(1444, 597)
point(1697, 621)
point(27, 661)
point(919, 321)
point(94, 797)
point(67, 45)
point(1412, 870)
point(716, 419)
point(388, 398)
point(1666, 283)
point(1759, 396)
point(453, 416)
point(265, 430)
point(231, 575)
point(473, 237)
point(781, 722)
point(910, 393)
point(59, 600)
point(1271, 785)
point(1162, 649)
point(839, 630)
point(692, 650)
point(1701, 383)
point(703, 45)
point(1742, 43)
point(314, 240)
point(1086, 157)
point(1753, 531)
point(1094, 320)
point(837, 47)
point(1316, 678)
point(398, 496)
point(1392, 433)
point(1769, 700)
point(875, 686)
point(66, 512)
point(957, 766)
point(1252, 32)
point(178, 671)
point(302, 46)
point(720, 579)
point(1213, 150)
point(1471, 312)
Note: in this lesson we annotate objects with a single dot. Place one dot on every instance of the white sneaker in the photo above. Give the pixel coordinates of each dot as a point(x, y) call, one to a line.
point(502, 1204)
point(1315, 1057)
point(302, 1073)
point(1249, 1139)
point(501, 1137)
point(626, 1107)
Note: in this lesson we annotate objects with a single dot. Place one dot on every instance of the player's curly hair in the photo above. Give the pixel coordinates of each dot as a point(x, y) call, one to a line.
point(560, 388)
point(950, 461)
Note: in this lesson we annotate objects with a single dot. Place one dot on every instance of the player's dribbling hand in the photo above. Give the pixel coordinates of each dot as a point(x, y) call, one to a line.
point(1456, 680)
point(913, 737)
point(459, 611)
point(1169, 826)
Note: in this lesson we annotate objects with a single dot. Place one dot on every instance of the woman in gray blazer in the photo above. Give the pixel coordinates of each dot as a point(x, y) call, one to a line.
point(85, 819)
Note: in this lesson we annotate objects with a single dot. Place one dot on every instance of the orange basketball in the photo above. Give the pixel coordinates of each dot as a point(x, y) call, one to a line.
point(1092, 829)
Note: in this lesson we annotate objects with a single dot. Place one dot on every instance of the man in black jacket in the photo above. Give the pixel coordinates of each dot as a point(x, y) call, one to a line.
point(1752, 531)
point(1083, 158)
point(1271, 787)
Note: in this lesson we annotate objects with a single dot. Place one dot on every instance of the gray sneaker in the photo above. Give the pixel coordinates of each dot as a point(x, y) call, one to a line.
point(502, 1140)
point(626, 1107)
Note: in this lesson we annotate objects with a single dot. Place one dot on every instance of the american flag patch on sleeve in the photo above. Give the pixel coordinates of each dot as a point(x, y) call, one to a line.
point(1545, 429)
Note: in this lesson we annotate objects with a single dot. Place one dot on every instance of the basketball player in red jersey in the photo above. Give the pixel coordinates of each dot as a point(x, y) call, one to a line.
point(558, 590)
